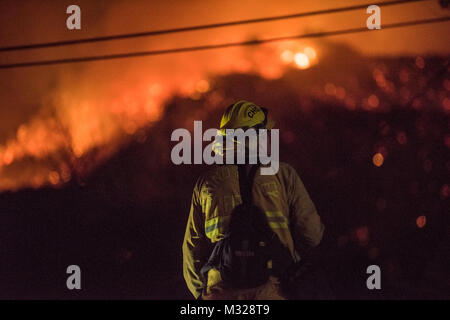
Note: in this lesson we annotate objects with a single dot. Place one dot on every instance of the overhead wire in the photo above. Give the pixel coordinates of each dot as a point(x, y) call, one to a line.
point(198, 27)
point(222, 45)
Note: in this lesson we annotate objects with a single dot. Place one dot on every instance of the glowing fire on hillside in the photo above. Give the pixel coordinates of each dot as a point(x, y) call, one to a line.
point(74, 124)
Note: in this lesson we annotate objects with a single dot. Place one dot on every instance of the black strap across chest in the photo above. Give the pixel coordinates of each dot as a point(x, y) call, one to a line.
point(246, 183)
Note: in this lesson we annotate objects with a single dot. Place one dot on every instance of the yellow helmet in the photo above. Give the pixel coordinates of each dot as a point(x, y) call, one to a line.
point(244, 114)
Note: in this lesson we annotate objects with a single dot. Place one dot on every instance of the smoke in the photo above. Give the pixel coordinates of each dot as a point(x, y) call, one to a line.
point(91, 112)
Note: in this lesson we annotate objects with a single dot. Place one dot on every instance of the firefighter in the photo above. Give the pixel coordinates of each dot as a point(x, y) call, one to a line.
point(282, 197)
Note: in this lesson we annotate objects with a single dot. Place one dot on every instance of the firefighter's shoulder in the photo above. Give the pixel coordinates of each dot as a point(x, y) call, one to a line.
point(286, 168)
point(279, 169)
point(215, 173)
point(288, 173)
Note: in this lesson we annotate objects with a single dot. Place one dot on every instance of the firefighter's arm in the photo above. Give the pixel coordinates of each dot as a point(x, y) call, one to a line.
point(195, 247)
point(306, 224)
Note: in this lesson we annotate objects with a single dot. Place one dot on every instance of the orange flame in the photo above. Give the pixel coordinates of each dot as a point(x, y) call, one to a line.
point(79, 120)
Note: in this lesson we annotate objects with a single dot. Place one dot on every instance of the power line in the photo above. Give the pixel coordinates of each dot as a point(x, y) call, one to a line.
point(221, 46)
point(196, 28)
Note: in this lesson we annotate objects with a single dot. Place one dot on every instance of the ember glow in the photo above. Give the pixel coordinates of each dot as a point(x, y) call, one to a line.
point(301, 60)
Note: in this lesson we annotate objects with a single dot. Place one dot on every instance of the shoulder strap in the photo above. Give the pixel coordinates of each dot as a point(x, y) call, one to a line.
point(246, 183)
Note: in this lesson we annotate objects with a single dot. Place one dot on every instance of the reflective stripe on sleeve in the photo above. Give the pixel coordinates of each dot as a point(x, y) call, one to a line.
point(212, 226)
point(277, 220)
